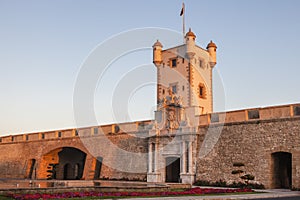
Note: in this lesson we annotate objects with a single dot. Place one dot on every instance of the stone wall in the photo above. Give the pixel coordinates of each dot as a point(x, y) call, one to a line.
point(251, 143)
point(17, 155)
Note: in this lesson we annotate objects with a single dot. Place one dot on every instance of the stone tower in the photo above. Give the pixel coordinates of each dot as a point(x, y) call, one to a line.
point(186, 70)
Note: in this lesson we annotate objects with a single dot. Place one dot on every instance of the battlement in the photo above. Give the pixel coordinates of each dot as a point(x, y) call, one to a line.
point(253, 114)
point(238, 116)
point(110, 129)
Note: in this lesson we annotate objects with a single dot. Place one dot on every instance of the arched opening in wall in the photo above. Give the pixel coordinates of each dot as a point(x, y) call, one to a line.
point(68, 172)
point(71, 163)
point(62, 163)
point(173, 169)
point(281, 170)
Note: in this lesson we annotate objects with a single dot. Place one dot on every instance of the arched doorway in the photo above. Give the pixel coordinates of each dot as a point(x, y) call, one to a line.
point(173, 169)
point(68, 171)
point(281, 170)
point(71, 161)
point(66, 163)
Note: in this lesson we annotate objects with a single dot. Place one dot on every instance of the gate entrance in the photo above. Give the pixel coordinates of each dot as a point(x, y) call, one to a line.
point(173, 169)
point(282, 170)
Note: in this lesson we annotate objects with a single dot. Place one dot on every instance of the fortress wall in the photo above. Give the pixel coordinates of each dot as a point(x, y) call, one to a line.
point(252, 143)
point(17, 154)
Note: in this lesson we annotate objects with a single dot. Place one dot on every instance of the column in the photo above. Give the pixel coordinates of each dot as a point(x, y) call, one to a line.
point(150, 161)
point(190, 150)
point(156, 157)
point(183, 170)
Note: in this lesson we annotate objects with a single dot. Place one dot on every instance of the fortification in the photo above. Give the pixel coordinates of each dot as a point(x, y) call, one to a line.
point(185, 142)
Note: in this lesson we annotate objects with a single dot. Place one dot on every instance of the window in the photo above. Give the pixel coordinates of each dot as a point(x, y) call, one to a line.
point(26, 137)
point(202, 91)
point(182, 60)
point(173, 62)
point(76, 132)
point(174, 89)
point(95, 131)
point(43, 135)
point(59, 134)
point(200, 63)
point(183, 88)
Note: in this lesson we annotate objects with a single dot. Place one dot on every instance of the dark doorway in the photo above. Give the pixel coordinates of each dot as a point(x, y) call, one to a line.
point(173, 169)
point(68, 172)
point(282, 170)
point(71, 164)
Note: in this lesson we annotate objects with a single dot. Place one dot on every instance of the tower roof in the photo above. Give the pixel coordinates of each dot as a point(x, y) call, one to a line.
point(157, 43)
point(211, 44)
point(190, 33)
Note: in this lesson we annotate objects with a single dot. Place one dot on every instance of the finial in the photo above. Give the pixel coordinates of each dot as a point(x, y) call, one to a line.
point(190, 33)
point(211, 44)
point(157, 43)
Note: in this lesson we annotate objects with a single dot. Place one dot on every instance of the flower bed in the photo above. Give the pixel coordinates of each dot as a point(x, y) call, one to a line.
point(193, 191)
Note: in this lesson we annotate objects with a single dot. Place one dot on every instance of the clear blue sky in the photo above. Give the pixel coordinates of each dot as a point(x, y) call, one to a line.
point(44, 43)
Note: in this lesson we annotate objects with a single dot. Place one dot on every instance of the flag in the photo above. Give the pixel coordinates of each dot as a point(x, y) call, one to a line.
point(182, 10)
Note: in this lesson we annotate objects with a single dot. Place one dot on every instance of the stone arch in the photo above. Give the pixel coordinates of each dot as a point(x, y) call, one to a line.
point(281, 169)
point(64, 163)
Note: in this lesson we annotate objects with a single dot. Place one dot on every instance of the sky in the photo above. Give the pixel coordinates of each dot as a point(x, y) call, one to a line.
point(44, 44)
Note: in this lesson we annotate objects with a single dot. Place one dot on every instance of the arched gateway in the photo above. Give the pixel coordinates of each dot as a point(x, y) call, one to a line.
point(66, 163)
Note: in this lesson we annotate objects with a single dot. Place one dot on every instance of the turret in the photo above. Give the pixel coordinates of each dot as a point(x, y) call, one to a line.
point(157, 57)
point(212, 50)
point(190, 44)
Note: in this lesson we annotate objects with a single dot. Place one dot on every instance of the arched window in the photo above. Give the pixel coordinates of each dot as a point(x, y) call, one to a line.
point(202, 91)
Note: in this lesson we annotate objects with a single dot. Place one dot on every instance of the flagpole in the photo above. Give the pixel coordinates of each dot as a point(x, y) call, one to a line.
point(183, 22)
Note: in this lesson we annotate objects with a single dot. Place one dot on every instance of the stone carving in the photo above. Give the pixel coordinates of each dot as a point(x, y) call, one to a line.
point(170, 100)
point(172, 122)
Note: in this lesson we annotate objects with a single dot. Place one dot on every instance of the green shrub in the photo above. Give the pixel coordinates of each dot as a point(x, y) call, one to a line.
point(202, 183)
point(222, 183)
